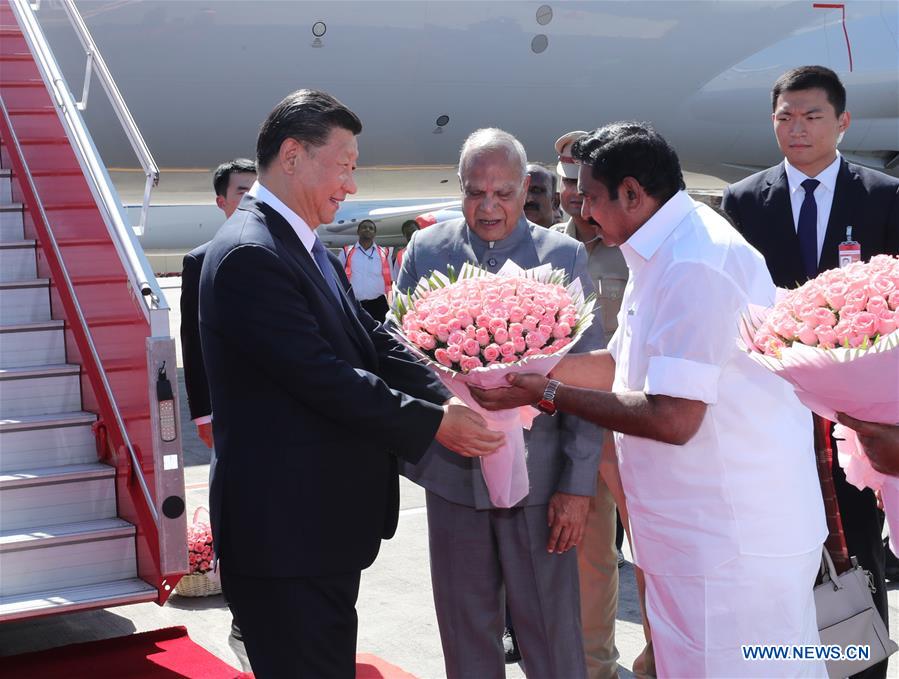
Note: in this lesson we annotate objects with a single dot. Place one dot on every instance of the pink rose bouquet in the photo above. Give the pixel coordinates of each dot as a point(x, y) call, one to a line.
point(835, 339)
point(476, 327)
point(199, 546)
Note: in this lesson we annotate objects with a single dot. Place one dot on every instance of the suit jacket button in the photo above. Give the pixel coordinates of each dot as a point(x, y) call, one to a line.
point(491, 262)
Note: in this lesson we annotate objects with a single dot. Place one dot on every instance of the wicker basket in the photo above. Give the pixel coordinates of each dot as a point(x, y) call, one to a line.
point(199, 584)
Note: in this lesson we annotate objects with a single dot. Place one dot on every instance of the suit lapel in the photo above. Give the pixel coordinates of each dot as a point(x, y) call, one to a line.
point(284, 232)
point(782, 228)
point(848, 192)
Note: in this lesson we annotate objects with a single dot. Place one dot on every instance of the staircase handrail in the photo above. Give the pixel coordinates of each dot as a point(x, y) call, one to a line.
point(80, 330)
point(135, 263)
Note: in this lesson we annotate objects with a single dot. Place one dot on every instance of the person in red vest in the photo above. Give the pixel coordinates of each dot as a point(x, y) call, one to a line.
point(367, 265)
point(409, 227)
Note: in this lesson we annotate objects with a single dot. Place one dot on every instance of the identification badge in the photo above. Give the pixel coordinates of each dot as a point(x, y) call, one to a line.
point(850, 250)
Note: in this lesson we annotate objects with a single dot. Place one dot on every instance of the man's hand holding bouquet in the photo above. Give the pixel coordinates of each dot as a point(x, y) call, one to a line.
point(473, 328)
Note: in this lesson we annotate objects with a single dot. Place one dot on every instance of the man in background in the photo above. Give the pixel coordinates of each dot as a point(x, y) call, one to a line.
point(368, 267)
point(542, 198)
point(796, 214)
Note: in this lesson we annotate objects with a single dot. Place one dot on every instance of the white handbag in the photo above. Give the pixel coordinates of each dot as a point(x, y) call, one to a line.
point(847, 616)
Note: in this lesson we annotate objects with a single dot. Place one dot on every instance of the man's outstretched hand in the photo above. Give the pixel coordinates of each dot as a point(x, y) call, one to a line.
point(879, 441)
point(524, 389)
point(464, 431)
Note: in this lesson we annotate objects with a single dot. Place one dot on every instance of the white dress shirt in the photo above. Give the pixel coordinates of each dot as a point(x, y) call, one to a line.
point(297, 223)
point(823, 195)
point(746, 483)
point(368, 277)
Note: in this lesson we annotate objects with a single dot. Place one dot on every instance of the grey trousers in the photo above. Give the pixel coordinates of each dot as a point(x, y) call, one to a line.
point(481, 559)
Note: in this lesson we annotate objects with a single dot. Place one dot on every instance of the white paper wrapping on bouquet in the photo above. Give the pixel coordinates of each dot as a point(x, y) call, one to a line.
point(863, 383)
point(505, 471)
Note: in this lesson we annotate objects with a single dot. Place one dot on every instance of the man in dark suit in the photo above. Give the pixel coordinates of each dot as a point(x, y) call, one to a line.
point(231, 181)
point(796, 214)
point(313, 403)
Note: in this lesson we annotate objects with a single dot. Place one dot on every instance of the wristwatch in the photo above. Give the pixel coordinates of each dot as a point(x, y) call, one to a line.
point(547, 404)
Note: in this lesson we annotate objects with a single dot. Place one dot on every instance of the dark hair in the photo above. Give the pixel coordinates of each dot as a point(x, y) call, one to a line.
point(409, 222)
point(223, 172)
point(811, 77)
point(307, 116)
point(631, 149)
point(366, 221)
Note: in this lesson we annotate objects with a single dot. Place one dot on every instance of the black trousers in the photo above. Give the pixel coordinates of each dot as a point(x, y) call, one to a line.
point(863, 525)
point(376, 308)
point(297, 628)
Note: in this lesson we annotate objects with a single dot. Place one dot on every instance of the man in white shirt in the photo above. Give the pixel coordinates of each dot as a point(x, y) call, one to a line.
point(715, 452)
point(368, 267)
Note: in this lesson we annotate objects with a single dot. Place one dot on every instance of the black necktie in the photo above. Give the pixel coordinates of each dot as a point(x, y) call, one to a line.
point(808, 228)
point(324, 264)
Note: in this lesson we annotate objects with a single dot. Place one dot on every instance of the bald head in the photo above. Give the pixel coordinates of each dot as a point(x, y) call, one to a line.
point(491, 141)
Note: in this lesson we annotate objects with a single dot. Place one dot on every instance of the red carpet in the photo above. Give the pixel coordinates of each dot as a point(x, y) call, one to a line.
point(162, 654)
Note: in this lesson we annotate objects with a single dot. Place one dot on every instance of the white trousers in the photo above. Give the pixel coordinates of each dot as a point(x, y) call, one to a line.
point(699, 623)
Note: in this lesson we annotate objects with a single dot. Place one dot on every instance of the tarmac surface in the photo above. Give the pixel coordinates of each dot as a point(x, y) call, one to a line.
point(396, 612)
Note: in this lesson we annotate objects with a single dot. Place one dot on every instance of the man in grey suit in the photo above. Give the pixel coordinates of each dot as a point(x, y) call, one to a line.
point(481, 555)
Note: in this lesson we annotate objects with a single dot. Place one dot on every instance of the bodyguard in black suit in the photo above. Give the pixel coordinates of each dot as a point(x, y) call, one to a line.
point(313, 402)
point(783, 212)
point(230, 181)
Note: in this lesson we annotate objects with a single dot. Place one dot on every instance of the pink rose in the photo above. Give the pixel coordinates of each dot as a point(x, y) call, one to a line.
point(886, 322)
point(561, 330)
point(491, 353)
point(827, 338)
point(893, 300)
point(876, 304)
point(443, 357)
point(807, 335)
point(821, 316)
point(560, 344)
point(426, 341)
point(471, 332)
point(465, 319)
point(471, 347)
point(880, 284)
point(454, 324)
point(482, 335)
point(535, 340)
point(516, 330)
point(530, 323)
point(785, 327)
point(516, 314)
point(509, 359)
point(533, 351)
point(835, 294)
point(500, 335)
point(470, 363)
point(507, 349)
point(443, 332)
point(865, 324)
point(496, 323)
point(483, 321)
point(456, 337)
point(519, 344)
point(454, 351)
point(773, 346)
point(545, 329)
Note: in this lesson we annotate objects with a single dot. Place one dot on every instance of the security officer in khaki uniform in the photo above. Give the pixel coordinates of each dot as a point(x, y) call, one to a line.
point(597, 554)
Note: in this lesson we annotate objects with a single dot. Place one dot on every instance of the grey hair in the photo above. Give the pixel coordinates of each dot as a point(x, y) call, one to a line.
point(491, 139)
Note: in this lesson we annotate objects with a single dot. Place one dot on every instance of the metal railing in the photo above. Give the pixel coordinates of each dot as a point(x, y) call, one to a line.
point(80, 329)
point(123, 236)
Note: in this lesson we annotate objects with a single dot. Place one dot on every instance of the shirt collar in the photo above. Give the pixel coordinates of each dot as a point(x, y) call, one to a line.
point(827, 176)
point(307, 236)
point(519, 233)
point(646, 240)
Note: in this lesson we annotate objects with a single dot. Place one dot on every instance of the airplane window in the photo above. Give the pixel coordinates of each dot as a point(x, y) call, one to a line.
point(442, 121)
point(539, 43)
point(319, 29)
point(544, 14)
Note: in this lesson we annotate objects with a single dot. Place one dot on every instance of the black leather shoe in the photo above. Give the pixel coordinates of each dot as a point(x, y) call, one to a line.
point(510, 646)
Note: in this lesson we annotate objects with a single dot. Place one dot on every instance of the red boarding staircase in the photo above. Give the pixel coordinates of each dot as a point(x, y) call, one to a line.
point(91, 495)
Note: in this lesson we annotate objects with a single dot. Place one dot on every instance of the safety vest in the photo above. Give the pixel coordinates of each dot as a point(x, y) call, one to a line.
point(399, 258)
point(383, 253)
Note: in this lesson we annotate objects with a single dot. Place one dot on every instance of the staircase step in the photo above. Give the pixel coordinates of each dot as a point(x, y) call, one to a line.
point(32, 344)
point(117, 593)
point(11, 228)
point(5, 187)
point(24, 301)
point(40, 390)
point(36, 498)
point(47, 441)
point(17, 261)
point(68, 555)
